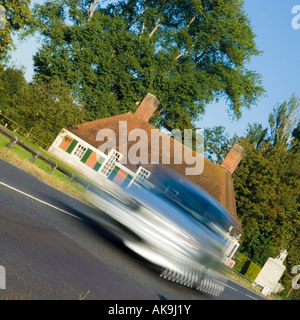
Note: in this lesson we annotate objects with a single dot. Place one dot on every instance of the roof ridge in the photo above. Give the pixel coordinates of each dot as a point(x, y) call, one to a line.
point(98, 120)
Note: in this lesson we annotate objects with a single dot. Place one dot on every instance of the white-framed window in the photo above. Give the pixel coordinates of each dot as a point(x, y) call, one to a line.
point(79, 151)
point(110, 162)
point(140, 176)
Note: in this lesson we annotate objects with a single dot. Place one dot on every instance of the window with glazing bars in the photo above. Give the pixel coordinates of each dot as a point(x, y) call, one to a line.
point(80, 151)
point(141, 175)
point(110, 163)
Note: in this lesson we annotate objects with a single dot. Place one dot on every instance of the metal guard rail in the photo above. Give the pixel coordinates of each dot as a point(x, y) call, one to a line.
point(36, 154)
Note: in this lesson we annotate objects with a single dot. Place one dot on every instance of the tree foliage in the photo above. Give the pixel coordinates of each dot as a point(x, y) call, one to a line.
point(283, 121)
point(267, 185)
point(296, 139)
point(12, 81)
point(187, 53)
point(216, 143)
point(40, 108)
point(17, 14)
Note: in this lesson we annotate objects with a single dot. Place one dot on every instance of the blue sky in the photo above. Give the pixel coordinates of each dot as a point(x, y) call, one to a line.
point(279, 64)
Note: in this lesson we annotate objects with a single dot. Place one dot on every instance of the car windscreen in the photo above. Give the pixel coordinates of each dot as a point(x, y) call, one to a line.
point(193, 203)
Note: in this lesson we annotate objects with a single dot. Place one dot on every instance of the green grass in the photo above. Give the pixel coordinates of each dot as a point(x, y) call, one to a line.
point(40, 163)
point(21, 158)
point(242, 281)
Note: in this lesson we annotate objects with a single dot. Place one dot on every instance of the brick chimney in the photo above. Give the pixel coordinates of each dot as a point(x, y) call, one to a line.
point(147, 107)
point(233, 158)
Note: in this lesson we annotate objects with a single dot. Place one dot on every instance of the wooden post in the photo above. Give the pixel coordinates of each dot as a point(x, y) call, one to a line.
point(289, 292)
point(33, 157)
point(294, 283)
point(12, 143)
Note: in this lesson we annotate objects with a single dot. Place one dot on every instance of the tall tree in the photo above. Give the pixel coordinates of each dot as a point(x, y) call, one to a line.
point(17, 14)
point(267, 186)
point(283, 120)
point(12, 82)
point(187, 53)
point(40, 108)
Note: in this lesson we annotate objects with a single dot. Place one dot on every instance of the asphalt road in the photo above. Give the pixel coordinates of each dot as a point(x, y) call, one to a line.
point(50, 253)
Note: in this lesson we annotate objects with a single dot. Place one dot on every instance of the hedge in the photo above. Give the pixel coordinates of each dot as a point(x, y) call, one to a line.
point(246, 267)
point(240, 261)
point(252, 271)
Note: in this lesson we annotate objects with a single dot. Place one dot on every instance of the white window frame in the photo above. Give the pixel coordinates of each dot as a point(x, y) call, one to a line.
point(110, 162)
point(140, 176)
point(79, 151)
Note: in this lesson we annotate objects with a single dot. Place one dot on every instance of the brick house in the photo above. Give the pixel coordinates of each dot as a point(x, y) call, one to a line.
point(80, 147)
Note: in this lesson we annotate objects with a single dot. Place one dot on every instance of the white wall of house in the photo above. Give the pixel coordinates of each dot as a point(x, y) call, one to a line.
point(74, 162)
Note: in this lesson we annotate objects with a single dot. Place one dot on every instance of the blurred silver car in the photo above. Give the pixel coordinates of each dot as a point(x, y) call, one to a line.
point(174, 224)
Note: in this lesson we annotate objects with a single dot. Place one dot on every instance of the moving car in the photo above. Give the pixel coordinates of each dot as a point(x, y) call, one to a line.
point(172, 223)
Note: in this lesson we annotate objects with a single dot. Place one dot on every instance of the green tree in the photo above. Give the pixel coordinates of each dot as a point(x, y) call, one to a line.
point(17, 14)
point(12, 82)
point(216, 143)
point(296, 139)
point(43, 109)
point(267, 186)
point(283, 121)
point(187, 53)
point(256, 135)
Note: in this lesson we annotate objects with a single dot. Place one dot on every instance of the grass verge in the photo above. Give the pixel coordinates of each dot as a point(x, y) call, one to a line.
point(20, 158)
point(244, 282)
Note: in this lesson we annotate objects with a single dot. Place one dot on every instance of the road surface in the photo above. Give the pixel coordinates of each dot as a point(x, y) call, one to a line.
point(49, 252)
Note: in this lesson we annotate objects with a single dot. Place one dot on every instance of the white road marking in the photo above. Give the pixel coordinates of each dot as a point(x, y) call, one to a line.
point(39, 200)
point(224, 284)
point(236, 290)
point(250, 296)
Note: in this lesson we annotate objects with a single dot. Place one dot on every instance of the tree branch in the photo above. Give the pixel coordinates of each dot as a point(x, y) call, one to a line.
point(143, 28)
point(184, 51)
point(157, 26)
point(188, 25)
point(192, 20)
point(143, 25)
point(91, 11)
point(204, 53)
point(181, 54)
